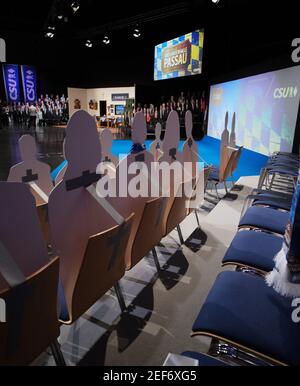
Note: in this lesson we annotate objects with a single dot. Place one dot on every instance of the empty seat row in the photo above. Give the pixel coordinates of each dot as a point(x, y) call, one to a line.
point(249, 321)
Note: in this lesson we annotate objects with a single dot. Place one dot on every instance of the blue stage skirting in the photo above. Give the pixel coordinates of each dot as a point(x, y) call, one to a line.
point(209, 149)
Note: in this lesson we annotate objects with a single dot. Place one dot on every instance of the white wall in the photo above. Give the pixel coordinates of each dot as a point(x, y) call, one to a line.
point(77, 93)
point(105, 94)
point(85, 95)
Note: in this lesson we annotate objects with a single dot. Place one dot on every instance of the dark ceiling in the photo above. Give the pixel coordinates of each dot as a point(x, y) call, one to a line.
point(238, 34)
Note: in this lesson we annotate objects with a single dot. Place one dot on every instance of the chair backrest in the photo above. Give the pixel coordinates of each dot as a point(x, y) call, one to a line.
point(197, 196)
point(236, 159)
point(150, 230)
point(179, 209)
point(224, 154)
point(28, 282)
point(102, 266)
point(31, 317)
point(228, 168)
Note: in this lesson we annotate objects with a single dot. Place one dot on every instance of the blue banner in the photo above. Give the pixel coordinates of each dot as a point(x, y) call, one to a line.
point(29, 83)
point(11, 82)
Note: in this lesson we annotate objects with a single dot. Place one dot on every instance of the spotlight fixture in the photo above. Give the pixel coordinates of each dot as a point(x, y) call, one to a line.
point(75, 6)
point(215, 1)
point(60, 16)
point(50, 32)
point(88, 44)
point(106, 39)
point(136, 32)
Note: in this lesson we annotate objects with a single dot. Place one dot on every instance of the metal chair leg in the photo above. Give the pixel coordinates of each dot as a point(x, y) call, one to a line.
point(180, 234)
point(226, 189)
point(232, 180)
point(272, 181)
point(197, 218)
point(218, 197)
point(57, 354)
point(155, 258)
point(120, 296)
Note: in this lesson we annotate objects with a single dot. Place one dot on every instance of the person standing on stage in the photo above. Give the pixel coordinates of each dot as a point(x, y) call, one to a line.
point(32, 116)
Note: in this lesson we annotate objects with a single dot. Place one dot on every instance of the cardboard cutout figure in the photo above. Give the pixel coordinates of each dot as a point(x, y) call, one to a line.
point(169, 188)
point(156, 146)
point(106, 139)
point(75, 214)
point(61, 173)
point(141, 157)
point(232, 141)
point(20, 231)
point(32, 171)
point(171, 153)
point(224, 152)
point(190, 151)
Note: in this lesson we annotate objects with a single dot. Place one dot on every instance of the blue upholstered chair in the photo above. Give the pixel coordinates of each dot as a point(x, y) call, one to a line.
point(253, 250)
point(267, 219)
point(252, 319)
point(204, 360)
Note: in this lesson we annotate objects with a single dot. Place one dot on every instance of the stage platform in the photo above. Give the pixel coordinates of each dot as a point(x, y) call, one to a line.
point(209, 151)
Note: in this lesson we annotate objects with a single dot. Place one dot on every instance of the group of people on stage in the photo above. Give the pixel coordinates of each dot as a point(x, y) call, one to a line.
point(194, 102)
point(47, 110)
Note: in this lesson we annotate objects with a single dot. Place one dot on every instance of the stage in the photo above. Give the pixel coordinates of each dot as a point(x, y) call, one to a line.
point(209, 152)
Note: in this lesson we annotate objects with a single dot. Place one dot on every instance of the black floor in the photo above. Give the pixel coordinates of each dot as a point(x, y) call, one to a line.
point(49, 146)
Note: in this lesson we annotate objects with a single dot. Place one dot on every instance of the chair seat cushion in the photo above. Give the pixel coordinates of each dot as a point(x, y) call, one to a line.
point(253, 249)
point(214, 175)
point(243, 309)
point(203, 359)
point(265, 218)
point(276, 203)
point(284, 171)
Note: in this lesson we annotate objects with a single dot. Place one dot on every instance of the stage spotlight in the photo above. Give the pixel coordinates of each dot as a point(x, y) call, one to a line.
point(136, 32)
point(60, 16)
point(215, 1)
point(88, 44)
point(75, 6)
point(106, 39)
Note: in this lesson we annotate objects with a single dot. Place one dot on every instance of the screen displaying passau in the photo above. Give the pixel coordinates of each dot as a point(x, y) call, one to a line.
point(266, 108)
point(178, 57)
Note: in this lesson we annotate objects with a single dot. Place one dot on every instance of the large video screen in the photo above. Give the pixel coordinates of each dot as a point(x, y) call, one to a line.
point(266, 108)
point(179, 57)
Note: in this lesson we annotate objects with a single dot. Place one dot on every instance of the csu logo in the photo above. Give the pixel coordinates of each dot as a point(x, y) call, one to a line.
point(285, 92)
point(2, 51)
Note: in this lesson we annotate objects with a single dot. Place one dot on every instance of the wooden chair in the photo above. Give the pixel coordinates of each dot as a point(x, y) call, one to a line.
point(28, 281)
point(149, 233)
point(89, 235)
point(235, 162)
point(220, 175)
point(198, 193)
point(101, 268)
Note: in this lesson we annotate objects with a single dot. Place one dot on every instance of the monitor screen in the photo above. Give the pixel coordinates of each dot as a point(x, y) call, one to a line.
point(179, 57)
point(266, 108)
point(119, 109)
